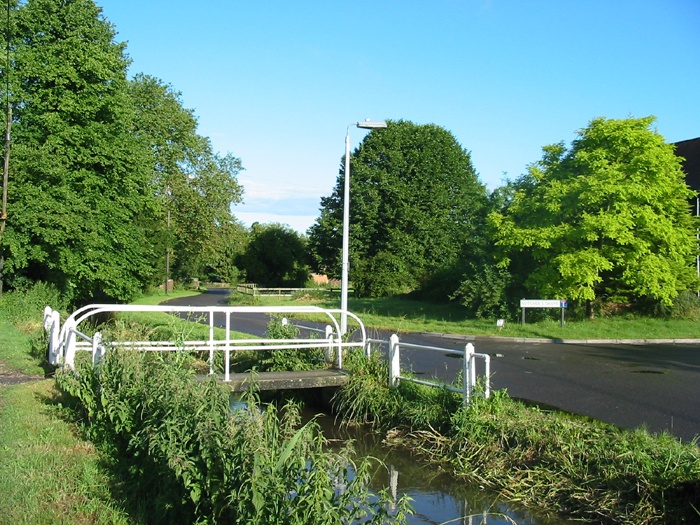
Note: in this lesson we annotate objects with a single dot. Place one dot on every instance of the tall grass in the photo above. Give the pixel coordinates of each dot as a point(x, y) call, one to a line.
point(23, 344)
point(288, 359)
point(182, 457)
point(553, 461)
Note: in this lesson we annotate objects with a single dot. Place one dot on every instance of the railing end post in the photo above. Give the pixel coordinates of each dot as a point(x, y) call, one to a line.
point(394, 361)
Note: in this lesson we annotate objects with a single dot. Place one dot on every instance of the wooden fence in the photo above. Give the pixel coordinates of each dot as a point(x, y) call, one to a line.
point(257, 291)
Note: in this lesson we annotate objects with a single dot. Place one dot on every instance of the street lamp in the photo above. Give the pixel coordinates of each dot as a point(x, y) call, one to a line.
point(367, 124)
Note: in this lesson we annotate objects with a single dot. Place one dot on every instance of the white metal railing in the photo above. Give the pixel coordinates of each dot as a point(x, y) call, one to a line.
point(65, 340)
point(469, 379)
point(257, 291)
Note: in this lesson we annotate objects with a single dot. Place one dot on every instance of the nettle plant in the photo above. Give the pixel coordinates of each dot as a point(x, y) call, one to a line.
point(180, 453)
point(289, 359)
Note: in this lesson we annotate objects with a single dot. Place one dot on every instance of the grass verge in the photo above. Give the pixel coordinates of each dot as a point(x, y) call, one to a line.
point(407, 315)
point(48, 475)
point(20, 348)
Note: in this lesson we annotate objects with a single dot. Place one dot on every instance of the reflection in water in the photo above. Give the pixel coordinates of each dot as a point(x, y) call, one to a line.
point(437, 498)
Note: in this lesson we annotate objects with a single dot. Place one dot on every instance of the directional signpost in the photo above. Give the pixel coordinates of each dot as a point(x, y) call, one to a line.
point(544, 303)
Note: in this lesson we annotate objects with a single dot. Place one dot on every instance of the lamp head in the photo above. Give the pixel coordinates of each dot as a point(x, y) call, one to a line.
point(369, 124)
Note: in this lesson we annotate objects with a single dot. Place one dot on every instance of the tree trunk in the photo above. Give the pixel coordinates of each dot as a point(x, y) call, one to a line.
point(590, 314)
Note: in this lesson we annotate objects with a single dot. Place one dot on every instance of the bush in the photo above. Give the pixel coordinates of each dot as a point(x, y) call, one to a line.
point(292, 359)
point(685, 306)
point(27, 305)
point(367, 398)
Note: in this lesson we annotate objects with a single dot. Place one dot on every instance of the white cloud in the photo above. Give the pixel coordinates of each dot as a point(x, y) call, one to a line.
point(299, 223)
point(264, 189)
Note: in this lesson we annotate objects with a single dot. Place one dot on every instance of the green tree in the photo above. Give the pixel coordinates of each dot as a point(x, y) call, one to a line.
point(276, 256)
point(229, 245)
point(204, 210)
point(416, 208)
point(81, 196)
point(607, 219)
point(195, 186)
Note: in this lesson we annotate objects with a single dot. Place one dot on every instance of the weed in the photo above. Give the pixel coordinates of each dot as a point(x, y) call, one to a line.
point(292, 359)
point(558, 462)
point(181, 455)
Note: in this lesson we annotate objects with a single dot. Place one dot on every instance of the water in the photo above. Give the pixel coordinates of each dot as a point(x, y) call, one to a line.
point(437, 498)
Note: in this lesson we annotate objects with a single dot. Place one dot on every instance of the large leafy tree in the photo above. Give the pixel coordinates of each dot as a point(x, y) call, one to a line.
point(276, 255)
point(416, 208)
point(80, 192)
point(107, 174)
point(606, 219)
point(195, 186)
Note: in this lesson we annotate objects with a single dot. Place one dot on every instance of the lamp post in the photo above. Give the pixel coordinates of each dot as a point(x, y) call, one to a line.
point(367, 124)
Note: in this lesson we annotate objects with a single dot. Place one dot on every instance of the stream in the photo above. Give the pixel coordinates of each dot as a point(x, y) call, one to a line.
point(437, 498)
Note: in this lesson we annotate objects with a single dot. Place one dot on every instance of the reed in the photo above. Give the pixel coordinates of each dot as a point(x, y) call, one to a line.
point(549, 460)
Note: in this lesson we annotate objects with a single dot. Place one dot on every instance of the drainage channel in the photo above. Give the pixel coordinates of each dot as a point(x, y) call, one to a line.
point(437, 498)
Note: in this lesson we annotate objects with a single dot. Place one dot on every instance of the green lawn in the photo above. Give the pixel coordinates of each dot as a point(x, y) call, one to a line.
point(48, 475)
point(19, 350)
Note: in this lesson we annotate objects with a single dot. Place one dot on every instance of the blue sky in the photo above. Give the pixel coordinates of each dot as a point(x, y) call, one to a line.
point(276, 83)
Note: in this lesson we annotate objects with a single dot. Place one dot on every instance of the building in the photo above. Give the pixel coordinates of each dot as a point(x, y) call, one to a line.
point(690, 151)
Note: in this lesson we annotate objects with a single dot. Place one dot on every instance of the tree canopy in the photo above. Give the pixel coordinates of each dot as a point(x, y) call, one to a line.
point(608, 218)
point(416, 203)
point(276, 255)
point(98, 160)
point(80, 194)
point(194, 185)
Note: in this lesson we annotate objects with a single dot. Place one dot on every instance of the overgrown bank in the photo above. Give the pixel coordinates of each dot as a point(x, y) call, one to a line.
point(560, 463)
point(179, 454)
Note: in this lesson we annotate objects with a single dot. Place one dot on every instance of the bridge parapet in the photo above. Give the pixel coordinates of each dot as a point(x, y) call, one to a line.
point(66, 339)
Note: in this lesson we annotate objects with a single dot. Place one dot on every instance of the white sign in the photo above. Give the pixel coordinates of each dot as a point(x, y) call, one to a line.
point(542, 303)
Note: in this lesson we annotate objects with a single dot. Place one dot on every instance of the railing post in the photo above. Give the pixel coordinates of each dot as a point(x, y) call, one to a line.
point(47, 314)
point(329, 348)
point(339, 357)
point(469, 374)
point(54, 335)
point(211, 341)
point(227, 352)
point(69, 344)
point(487, 376)
point(48, 322)
point(394, 361)
point(97, 349)
point(52, 325)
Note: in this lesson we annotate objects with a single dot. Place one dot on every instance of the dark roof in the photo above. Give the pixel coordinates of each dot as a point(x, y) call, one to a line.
point(690, 150)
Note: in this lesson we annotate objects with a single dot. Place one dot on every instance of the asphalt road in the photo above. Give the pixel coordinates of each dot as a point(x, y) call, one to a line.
point(654, 385)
